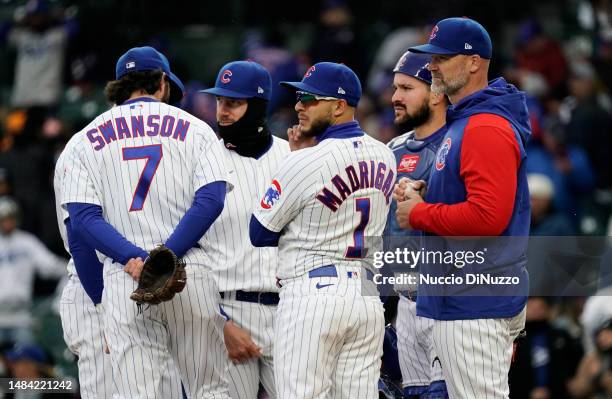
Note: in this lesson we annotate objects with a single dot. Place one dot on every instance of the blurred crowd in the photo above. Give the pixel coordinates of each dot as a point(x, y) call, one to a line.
point(561, 59)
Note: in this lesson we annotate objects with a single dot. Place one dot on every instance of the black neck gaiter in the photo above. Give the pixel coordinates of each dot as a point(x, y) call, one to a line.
point(249, 136)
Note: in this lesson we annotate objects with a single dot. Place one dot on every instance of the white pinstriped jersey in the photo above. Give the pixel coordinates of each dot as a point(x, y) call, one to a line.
point(326, 199)
point(236, 263)
point(142, 163)
point(58, 182)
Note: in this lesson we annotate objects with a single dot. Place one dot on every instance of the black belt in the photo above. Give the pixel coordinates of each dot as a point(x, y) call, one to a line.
point(265, 298)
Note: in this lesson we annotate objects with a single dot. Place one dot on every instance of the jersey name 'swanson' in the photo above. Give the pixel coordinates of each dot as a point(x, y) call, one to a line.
point(166, 126)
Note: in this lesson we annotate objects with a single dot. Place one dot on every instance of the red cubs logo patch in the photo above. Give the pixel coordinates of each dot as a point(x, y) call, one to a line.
point(443, 153)
point(434, 32)
point(225, 76)
point(408, 163)
point(272, 195)
point(309, 71)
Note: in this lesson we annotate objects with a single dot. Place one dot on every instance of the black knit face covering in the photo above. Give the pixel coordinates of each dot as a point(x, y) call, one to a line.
point(249, 136)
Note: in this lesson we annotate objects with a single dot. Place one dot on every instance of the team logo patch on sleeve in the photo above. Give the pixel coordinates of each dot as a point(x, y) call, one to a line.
point(408, 163)
point(443, 153)
point(272, 195)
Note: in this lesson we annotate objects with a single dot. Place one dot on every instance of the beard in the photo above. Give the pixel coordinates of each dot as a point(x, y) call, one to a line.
point(317, 127)
point(408, 122)
point(451, 86)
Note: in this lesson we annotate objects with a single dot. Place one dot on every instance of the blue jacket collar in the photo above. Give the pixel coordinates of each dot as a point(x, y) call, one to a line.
point(139, 99)
point(499, 98)
point(341, 131)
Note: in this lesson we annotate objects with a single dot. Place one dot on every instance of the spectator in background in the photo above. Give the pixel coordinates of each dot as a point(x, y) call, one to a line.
point(546, 359)
point(40, 40)
point(542, 55)
point(545, 220)
point(30, 362)
point(587, 121)
point(270, 51)
point(336, 39)
point(21, 255)
point(567, 165)
point(594, 376)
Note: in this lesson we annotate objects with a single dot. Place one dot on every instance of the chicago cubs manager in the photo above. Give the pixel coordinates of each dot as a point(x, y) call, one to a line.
point(477, 187)
point(318, 208)
point(245, 274)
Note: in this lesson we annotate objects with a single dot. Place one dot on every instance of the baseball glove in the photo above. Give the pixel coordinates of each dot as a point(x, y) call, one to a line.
point(163, 275)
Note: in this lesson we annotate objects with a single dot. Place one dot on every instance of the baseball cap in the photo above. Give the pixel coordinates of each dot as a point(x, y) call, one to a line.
point(242, 79)
point(457, 36)
point(30, 352)
point(415, 65)
point(330, 80)
point(148, 59)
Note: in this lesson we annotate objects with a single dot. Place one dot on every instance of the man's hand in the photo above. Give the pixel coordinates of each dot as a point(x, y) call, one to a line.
point(406, 186)
point(297, 141)
point(404, 208)
point(240, 346)
point(134, 268)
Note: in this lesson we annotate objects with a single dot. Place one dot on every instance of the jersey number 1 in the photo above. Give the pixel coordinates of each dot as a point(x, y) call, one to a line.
point(153, 154)
point(362, 205)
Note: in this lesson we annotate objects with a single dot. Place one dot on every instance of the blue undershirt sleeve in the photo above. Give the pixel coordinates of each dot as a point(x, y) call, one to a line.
point(260, 236)
point(207, 206)
point(88, 267)
point(88, 223)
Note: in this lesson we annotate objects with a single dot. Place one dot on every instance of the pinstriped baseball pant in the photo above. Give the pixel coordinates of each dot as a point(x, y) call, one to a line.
point(328, 340)
point(476, 355)
point(147, 347)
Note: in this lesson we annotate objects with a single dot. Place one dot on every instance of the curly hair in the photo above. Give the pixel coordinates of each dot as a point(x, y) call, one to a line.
point(118, 91)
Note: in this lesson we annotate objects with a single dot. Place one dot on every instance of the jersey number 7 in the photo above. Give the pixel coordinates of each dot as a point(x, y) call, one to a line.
point(153, 154)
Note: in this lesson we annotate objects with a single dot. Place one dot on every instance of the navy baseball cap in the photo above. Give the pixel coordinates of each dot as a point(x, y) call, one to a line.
point(457, 36)
point(148, 59)
point(242, 79)
point(330, 80)
point(415, 65)
point(30, 352)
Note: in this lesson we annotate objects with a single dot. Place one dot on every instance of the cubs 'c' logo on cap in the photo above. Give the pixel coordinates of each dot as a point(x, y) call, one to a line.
point(408, 163)
point(225, 76)
point(309, 71)
point(434, 32)
point(272, 195)
point(443, 153)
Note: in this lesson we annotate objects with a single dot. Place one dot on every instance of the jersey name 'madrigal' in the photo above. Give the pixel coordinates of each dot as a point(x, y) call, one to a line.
point(358, 177)
point(155, 125)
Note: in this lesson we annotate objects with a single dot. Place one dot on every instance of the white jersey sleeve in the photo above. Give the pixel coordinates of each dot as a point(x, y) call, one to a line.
point(288, 192)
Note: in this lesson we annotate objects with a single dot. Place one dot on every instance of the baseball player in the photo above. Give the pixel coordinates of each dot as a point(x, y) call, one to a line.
point(81, 320)
point(318, 209)
point(477, 188)
point(157, 175)
point(245, 274)
point(22, 255)
point(415, 151)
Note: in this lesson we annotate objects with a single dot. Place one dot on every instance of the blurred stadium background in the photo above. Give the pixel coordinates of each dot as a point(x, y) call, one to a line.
point(56, 56)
